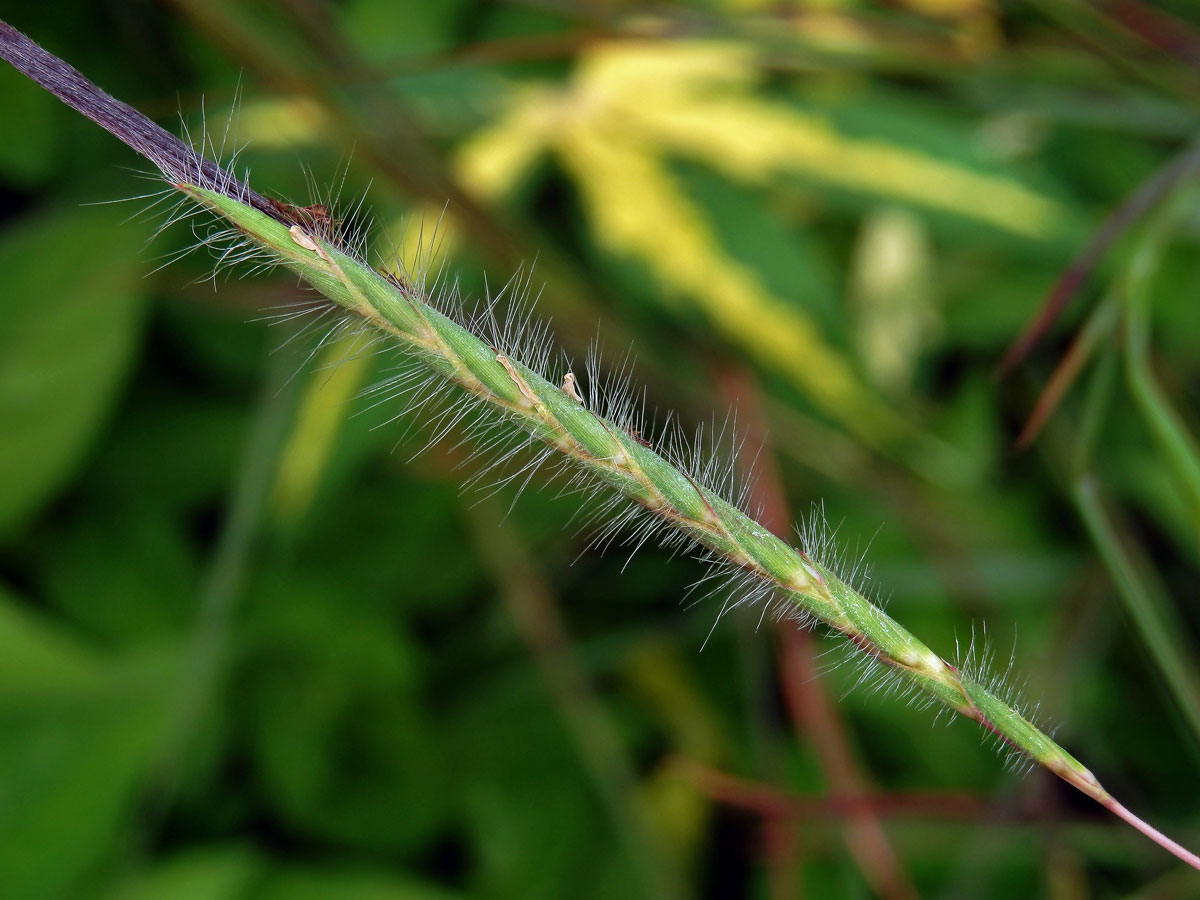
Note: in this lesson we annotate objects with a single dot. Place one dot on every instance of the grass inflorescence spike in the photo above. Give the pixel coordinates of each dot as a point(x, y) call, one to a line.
point(500, 369)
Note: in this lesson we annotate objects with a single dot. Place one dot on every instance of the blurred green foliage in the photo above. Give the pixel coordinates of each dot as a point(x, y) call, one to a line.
point(249, 648)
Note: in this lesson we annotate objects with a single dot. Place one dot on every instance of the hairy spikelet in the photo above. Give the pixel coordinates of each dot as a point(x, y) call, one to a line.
point(468, 371)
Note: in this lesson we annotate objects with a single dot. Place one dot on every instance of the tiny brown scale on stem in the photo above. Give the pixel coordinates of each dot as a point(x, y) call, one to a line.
point(316, 219)
point(637, 436)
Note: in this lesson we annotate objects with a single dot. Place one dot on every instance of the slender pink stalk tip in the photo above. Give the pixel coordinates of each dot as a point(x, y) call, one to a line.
point(1153, 833)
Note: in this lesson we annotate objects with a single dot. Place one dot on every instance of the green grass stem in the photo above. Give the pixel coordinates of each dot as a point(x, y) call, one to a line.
point(1145, 601)
point(1164, 423)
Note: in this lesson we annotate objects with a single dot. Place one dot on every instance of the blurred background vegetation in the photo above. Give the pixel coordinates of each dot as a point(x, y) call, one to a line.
point(250, 648)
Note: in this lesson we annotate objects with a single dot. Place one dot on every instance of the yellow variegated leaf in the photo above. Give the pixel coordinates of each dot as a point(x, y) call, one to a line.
point(495, 158)
point(636, 209)
point(661, 73)
point(785, 141)
point(829, 31)
point(419, 244)
point(282, 122)
point(951, 9)
point(488, 164)
point(676, 101)
point(771, 7)
point(633, 104)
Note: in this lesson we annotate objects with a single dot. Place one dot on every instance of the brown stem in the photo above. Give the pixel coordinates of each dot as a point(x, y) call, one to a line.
point(812, 714)
point(1137, 204)
point(1153, 833)
point(174, 158)
point(772, 803)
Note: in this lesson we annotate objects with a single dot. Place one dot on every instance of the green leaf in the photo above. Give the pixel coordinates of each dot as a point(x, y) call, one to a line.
point(31, 158)
point(222, 873)
point(428, 27)
point(348, 883)
point(124, 578)
point(526, 849)
point(69, 318)
point(342, 746)
point(77, 735)
point(240, 873)
point(37, 660)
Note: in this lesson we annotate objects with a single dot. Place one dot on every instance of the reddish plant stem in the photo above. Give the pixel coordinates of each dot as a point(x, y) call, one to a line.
point(772, 803)
point(1144, 198)
point(174, 158)
point(813, 716)
point(782, 845)
point(1082, 348)
point(1157, 28)
point(1153, 833)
